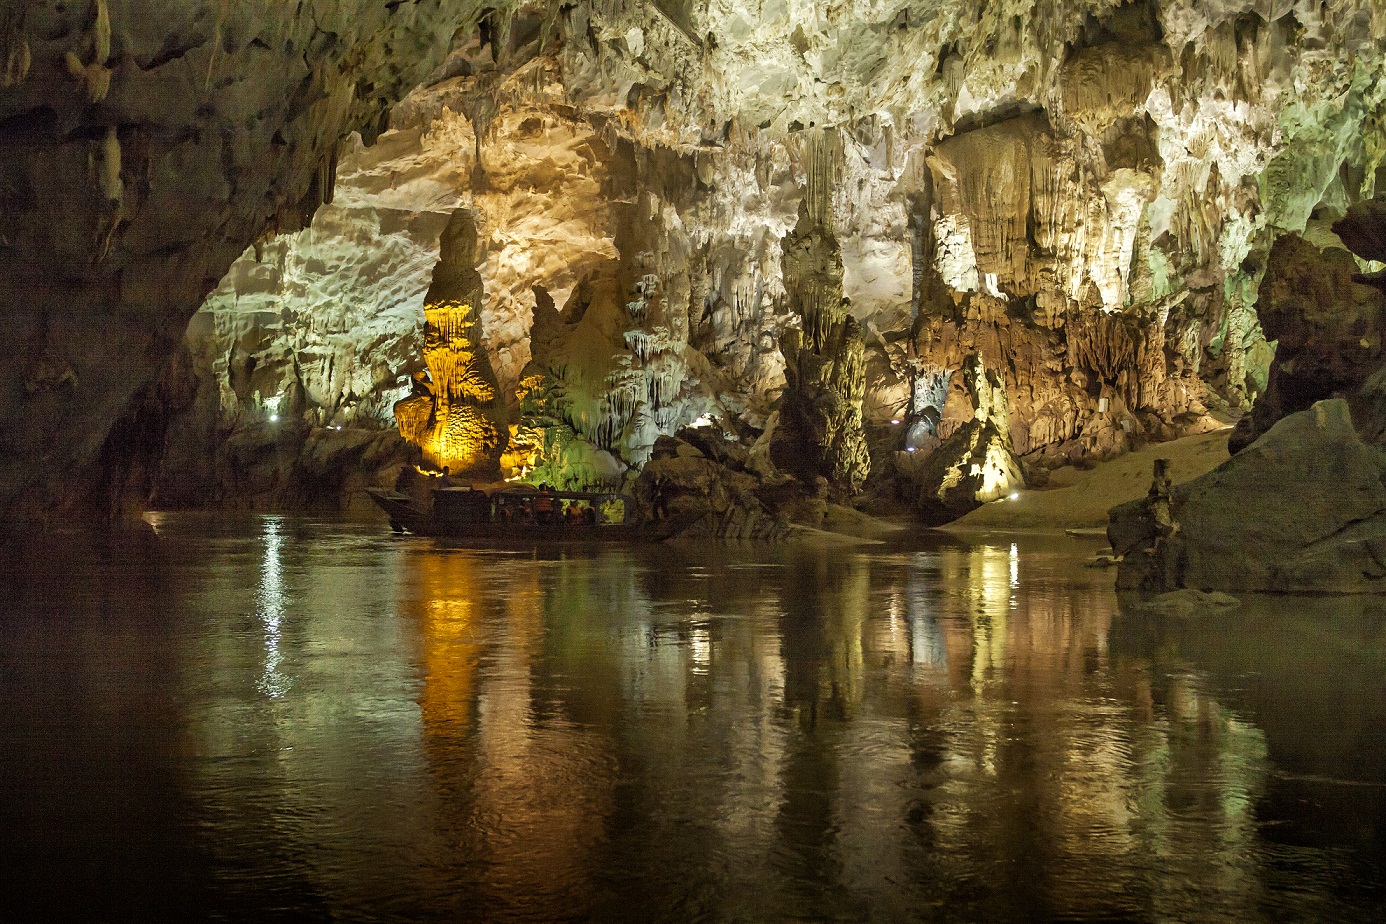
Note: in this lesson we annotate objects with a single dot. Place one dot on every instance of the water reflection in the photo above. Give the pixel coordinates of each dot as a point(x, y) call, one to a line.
point(270, 603)
point(385, 729)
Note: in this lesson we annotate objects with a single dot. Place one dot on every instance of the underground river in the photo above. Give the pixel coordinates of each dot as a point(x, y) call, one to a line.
point(266, 718)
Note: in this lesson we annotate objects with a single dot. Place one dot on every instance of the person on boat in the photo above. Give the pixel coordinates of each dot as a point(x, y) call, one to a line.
point(445, 480)
point(573, 515)
point(544, 504)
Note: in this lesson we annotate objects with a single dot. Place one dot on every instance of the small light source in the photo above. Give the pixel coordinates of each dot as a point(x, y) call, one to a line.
point(274, 418)
point(1015, 496)
point(895, 421)
point(909, 449)
point(1102, 404)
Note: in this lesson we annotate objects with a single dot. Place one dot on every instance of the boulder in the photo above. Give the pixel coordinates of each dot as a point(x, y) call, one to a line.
point(1302, 509)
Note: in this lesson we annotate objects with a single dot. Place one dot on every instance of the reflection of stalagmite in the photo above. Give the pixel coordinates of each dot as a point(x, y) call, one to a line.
point(452, 413)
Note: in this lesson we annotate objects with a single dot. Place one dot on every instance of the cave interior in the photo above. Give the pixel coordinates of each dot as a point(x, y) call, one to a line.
point(782, 258)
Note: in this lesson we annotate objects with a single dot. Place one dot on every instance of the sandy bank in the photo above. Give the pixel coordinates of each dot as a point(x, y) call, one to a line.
point(1077, 499)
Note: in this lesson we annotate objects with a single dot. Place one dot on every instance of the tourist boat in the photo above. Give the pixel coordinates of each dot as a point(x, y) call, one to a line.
point(513, 514)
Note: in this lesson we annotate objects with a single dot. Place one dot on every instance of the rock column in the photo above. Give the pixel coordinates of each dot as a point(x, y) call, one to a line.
point(820, 429)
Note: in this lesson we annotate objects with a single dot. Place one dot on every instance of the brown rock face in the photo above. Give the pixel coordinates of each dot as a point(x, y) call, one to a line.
point(1327, 327)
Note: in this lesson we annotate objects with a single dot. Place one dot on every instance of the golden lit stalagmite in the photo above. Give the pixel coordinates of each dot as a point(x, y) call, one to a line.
point(452, 413)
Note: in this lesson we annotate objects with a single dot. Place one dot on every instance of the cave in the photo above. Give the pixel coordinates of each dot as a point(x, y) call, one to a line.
point(693, 459)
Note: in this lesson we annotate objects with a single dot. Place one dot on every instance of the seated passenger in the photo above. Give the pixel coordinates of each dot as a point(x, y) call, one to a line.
point(544, 505)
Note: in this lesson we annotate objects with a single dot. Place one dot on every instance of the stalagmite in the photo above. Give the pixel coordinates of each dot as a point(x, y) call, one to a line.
point(820, 432)
point(453, 416)
point(977, 463)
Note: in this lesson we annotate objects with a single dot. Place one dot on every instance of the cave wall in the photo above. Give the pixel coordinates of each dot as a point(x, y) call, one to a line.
point(143, 145)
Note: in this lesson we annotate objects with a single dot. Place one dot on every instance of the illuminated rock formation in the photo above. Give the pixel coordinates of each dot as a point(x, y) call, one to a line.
point(977, 463)
point(452, 414)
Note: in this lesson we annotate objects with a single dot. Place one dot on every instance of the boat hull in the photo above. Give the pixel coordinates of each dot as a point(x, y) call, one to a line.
point(405, 516)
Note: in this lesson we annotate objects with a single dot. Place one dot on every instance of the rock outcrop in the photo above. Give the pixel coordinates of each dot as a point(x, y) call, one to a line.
point(703, 491)
point(1302, 509)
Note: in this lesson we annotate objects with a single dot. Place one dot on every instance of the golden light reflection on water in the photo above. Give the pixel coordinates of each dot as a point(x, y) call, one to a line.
point(450, 643)
point(535, 797)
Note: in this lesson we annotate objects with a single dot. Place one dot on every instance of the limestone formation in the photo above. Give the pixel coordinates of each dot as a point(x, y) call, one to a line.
point(453, 416)
point(1302, 509)
point(974, 465)
point(1327, 327)
point(702, 495)
point(1363, 229)
point(820, 411)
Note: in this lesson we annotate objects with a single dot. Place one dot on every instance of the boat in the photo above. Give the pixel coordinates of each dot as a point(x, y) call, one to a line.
point(513, 514)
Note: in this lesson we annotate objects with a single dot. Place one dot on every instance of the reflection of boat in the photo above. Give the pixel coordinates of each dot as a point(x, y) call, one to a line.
point(517, 515)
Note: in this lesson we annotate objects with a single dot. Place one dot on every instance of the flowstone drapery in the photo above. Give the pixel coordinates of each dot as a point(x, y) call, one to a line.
point(452, 413)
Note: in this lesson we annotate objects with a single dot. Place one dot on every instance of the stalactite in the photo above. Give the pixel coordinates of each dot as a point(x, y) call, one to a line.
point(823, 165)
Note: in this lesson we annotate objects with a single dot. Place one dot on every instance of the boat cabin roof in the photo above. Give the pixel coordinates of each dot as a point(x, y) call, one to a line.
point(531, 492)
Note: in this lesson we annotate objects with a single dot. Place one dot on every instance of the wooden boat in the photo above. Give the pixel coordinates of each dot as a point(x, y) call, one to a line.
point(516, 515)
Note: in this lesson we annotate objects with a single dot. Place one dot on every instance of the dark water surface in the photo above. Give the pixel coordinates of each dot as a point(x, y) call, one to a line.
point(274, 718)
